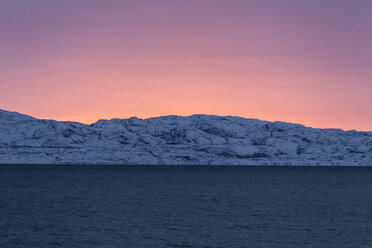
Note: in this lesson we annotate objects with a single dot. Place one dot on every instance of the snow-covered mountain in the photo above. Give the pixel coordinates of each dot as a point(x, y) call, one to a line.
point(196, 139)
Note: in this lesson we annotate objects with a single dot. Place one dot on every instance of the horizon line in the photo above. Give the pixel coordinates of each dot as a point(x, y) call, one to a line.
point(185, 116)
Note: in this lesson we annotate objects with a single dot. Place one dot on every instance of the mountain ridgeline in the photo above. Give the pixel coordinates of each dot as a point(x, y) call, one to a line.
point(172, 140)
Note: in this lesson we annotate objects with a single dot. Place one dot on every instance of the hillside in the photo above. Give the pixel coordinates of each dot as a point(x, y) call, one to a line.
point(196, 139)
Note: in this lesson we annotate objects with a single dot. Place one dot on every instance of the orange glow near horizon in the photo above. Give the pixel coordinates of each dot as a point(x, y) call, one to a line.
point(307, 63)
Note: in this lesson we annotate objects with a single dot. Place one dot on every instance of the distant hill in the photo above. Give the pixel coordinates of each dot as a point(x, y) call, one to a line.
point(196, 139)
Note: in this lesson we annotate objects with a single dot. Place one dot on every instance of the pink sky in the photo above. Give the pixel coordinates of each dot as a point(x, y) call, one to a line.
point(307, 62)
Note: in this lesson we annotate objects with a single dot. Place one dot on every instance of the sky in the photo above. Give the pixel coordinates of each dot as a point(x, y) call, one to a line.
point(299, 61)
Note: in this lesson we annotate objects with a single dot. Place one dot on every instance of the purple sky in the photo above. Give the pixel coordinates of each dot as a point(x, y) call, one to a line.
point(300, 61)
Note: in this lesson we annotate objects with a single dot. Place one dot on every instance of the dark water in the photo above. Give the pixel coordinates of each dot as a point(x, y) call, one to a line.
point(144, 206)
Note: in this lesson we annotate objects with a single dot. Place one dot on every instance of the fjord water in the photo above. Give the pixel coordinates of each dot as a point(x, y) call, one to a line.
point(185, 206)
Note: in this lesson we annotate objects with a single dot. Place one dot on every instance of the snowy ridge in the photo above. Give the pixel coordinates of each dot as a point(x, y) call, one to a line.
point(196, 139)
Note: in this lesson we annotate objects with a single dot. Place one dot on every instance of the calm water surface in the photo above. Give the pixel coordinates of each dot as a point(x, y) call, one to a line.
point(180, 206)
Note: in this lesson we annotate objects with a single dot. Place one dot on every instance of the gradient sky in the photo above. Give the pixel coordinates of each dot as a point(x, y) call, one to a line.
point(301, 61)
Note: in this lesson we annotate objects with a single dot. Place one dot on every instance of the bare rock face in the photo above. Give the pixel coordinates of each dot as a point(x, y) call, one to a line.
point(196, 139)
